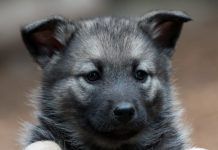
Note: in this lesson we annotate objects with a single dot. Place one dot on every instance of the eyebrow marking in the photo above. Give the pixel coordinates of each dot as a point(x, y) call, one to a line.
point(84, 67)
point(147, 65)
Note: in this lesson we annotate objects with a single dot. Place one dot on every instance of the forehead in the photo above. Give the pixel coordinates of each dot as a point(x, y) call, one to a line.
point(111, 39)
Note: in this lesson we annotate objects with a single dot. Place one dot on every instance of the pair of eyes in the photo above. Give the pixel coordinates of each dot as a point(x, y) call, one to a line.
point(139, 75)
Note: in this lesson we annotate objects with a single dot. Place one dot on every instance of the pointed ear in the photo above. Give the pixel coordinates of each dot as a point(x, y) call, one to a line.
point(46, 38)
point(163, 27)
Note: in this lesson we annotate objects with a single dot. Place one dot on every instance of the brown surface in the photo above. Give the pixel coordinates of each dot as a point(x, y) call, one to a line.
point(196, 74)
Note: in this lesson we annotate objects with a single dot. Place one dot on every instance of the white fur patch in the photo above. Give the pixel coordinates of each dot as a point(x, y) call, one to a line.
point(147, 65)
point(138, 47)
point(92, 46)
point(84, 67)
point(43, 145)
point(89, 23)
point(153, 85)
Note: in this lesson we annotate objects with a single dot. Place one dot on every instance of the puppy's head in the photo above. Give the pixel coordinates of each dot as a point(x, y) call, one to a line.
point(108, 76)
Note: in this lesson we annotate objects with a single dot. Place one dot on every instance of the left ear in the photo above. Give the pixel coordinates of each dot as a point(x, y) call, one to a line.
point(164, 27)
point(47, 37)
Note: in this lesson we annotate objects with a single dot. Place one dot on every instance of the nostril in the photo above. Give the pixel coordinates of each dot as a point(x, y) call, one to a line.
point(124, 112)
point(120, 111)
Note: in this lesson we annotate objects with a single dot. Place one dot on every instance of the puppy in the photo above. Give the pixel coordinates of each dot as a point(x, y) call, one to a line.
point(106, 83)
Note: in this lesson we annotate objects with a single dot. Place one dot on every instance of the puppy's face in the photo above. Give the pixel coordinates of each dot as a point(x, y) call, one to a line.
point(106, 76)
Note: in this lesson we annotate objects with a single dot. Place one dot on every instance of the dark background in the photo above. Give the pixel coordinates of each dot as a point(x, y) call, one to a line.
point(195, 62)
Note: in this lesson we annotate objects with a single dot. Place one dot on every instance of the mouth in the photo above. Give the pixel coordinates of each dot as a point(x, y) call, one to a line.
point(116, 134)
point(120, 135)
point(113, 130)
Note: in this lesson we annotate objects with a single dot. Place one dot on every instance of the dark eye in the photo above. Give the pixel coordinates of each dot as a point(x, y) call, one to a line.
point(141, 75)
point(93, 76)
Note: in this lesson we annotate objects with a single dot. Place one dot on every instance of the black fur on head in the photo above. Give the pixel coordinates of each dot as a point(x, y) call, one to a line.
point(106, 81)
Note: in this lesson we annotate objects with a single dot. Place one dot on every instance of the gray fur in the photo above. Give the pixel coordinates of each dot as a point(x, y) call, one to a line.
point(77, 114)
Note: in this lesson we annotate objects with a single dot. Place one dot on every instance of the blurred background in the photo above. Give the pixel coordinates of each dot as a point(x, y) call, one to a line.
point(195, 62)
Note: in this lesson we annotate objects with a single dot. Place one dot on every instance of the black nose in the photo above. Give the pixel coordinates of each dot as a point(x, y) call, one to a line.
point(124, 112)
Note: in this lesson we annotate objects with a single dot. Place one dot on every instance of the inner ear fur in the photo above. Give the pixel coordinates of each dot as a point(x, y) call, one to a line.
point(163, 28)
point(47, 37)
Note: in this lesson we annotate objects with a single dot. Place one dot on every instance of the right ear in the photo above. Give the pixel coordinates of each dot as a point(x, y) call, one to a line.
point(46, 38)
point(164, 27)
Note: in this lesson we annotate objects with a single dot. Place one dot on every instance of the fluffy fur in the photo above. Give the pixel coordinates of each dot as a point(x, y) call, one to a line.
point(77, 113)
